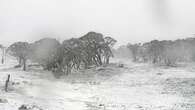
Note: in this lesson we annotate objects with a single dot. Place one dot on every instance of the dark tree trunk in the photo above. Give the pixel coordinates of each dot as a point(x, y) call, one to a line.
point(20, 61)
point(95, 60)
point(99, 59)
point(68, 69)
point(108, 60)
point(154, 61)
point(2, 60)
point(24, 63)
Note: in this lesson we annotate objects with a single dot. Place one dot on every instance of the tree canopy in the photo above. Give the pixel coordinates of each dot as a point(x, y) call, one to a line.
point(92, 49)
point(21, 51)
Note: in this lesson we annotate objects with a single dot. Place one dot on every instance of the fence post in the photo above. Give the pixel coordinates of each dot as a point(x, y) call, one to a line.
point(7, 82)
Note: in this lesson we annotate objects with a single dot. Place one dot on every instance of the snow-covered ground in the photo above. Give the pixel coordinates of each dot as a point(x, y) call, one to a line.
point(133, 87)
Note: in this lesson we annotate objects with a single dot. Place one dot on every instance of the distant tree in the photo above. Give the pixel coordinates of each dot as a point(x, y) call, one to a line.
point(71, 55)
point(93, 47)
point(21, 51)
point(44, 52)
point(134, 50)
point(156, 49)
point(164, 52)
point(89, 50)
point(122, 52)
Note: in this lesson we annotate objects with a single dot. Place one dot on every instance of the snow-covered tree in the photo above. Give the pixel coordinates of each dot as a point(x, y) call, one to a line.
point(21, 51)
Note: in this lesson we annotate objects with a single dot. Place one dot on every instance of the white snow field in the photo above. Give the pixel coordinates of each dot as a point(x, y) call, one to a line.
point(132, 87)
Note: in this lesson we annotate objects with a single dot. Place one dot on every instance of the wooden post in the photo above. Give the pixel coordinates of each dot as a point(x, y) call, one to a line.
point(7, 82)
point(3, 55)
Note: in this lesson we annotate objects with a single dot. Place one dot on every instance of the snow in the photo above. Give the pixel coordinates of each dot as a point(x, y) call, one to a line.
point(136, 86)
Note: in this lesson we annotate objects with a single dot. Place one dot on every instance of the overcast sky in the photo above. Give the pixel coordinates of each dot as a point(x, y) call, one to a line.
point(126, 20)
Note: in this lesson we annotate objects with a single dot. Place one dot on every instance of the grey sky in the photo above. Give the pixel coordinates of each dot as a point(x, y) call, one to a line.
point(125, 20)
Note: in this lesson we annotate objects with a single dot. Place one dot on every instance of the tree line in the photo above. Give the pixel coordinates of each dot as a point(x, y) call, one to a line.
point(164, 52)
point(75, 53)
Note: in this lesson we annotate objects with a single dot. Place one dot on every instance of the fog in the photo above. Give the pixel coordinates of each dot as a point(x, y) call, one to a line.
point(125, 20)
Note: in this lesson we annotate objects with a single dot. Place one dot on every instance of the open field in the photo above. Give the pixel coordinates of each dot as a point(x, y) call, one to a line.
point(132, 87)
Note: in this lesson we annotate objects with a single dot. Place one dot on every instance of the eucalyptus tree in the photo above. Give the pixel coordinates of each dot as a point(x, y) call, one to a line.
point(71, 54)
point(44, 51)
point(93, 47)
point(21, 51)
point(107, 46)
point(134, 48)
